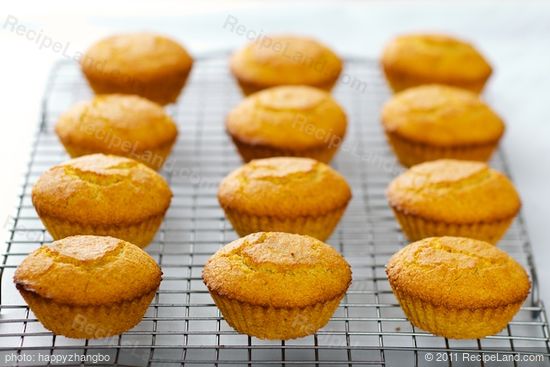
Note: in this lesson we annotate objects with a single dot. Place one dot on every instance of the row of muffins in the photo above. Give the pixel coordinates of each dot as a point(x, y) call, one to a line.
point(95, 281)
point(257, 127)
point(456, 287)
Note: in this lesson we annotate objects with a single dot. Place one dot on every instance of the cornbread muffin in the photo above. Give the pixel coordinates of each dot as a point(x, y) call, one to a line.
point(275, 285)
point(457, 287)
point(455, 198)
point(285, 60)
point(285, 194)
point(435, 121)
point(106, 285)
point(102, 195)
point(123, 125)
point(146, 64)
point(288, 121)
point(414, 59)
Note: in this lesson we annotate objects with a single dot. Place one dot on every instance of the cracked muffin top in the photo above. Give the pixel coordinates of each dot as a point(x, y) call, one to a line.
point(286, 60)
point(101, 189)
point(284, 187)
point(116, 124)
point(442, 116)
point(292, 117)
point(94, 270)
point(278, 269)
point(458, 273)
point(454, 191)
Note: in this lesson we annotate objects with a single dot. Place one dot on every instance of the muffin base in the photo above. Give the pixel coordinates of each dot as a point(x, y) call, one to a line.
point(153, 158)
point(87, 322)
point(140, 234)
point(417, 228)
point(275, 323)
point(410, 153)
point(163, 90)
point(248, 88)
point(456, 323)
point(320, 227)
point(249, 152)
point(400, 81)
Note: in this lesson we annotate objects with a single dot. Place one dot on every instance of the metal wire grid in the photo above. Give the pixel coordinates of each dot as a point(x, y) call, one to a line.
point(182, 326)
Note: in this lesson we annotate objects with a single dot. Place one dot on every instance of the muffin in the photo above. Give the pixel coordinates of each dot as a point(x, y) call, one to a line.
point(430, 122)
point(457, 287)
point(287, 121)
point(414, 59)
point(285, 60)
point(146, 64)
point(285, 194)
point(274, 285)
point(454, 198)
point(106, 285)
point(102, 195)
point(123, 125)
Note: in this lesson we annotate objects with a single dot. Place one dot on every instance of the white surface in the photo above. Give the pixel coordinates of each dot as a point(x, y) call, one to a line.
point(515, 36)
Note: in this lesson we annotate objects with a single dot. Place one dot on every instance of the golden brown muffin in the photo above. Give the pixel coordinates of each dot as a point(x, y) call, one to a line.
point(285, 60)
point(102, 195)
point(457, 287)
point(454, 198)
point(295, 195)
point(430, 122)
point(88, 286)
point(118, 124)
point(146, 64)
point(414, 59)
point(288, 121)
point(275, 285)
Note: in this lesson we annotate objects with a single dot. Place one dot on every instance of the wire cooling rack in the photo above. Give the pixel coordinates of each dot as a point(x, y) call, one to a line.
point(183, 326)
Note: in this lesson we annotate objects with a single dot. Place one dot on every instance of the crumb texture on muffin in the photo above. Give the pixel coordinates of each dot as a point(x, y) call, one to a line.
point(442, 116)
point(125, 125)
point(286, 60)
point(284, 187)
point(296, 118)
point(275, 269)
point(458, 273)
point(454, 191)
point(101, 190)
point(87, 271)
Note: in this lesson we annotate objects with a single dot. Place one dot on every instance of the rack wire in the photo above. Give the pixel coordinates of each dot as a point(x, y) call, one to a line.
point(183, 326)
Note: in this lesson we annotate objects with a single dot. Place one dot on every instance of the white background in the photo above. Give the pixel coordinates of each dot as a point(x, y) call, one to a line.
point(515, 36)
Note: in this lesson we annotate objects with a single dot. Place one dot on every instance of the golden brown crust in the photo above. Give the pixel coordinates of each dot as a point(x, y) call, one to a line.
point(88, 270)
point(286, 60)
point(124, 125)
point(276, 269)
point(146, 64)
point(441, 116)
point(297, 118)
point(454, 191)
point(458, 273)
point(415, 59)
point(101, 189)
point(284, 187)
